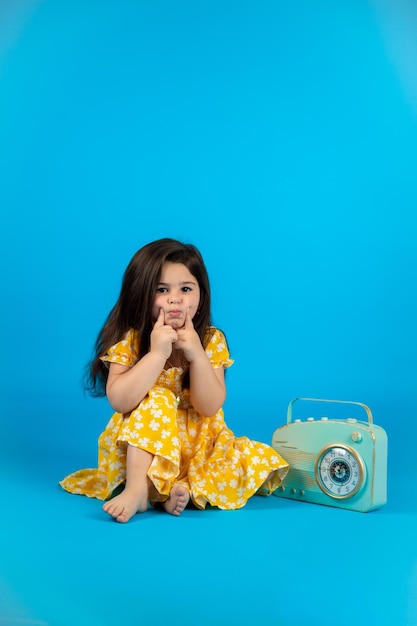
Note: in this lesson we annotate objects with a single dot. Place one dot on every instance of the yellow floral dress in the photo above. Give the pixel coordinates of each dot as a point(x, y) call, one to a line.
point(199, 452)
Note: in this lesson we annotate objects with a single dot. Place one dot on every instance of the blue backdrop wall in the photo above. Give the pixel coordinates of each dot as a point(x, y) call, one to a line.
point(280, 138)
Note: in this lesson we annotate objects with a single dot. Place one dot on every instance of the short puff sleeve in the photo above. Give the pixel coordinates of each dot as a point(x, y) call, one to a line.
point(217, 350)
point(124, 352)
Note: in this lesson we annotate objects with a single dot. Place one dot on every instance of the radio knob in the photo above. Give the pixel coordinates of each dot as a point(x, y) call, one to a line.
point(356, 437)
point(310, 419)
point(302, 492)
point(293, 490)
point(324, 419)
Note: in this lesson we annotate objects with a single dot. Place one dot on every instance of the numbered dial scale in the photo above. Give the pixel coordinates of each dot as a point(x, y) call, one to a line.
point(339, 471)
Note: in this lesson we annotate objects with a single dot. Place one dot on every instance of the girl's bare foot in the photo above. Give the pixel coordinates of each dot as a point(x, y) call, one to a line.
point(134, 497)
point(177, 501)
point(127, 504)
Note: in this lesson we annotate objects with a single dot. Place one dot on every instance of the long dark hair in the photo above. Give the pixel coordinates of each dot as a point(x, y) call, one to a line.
point(133, 309)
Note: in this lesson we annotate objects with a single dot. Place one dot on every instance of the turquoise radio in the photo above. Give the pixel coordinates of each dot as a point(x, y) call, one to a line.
point(335, 462)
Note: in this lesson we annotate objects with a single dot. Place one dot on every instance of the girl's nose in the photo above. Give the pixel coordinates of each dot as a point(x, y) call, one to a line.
point(174, 299)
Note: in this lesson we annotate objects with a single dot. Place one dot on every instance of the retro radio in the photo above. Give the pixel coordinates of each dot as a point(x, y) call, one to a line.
point(335, 462)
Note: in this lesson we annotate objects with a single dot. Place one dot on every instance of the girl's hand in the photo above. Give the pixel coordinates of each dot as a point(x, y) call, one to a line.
point(188, 340)
point(163, 336)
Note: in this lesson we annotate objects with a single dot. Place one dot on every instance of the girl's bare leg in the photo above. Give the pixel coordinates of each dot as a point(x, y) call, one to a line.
point(177, 501)
point(134, 497)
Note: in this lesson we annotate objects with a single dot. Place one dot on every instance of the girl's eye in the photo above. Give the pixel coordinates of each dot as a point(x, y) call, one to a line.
point(186, 289)
point(161, 290)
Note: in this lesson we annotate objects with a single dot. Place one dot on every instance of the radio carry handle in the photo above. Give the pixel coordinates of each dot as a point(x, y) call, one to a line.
point(294, 400)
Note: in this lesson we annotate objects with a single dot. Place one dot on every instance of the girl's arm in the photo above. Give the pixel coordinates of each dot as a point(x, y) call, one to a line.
point(127, 386)
point(207, 386)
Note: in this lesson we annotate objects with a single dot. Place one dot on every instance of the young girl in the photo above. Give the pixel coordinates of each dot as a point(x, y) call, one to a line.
point(162, 366)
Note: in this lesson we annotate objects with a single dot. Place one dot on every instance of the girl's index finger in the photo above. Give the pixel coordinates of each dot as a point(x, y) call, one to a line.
point(161, 319)
point(188, 319)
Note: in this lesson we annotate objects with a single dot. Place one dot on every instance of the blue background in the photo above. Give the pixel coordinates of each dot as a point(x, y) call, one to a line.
point(278, 137)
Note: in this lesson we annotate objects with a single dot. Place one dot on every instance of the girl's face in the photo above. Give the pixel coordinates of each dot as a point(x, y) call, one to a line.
point(177, 291)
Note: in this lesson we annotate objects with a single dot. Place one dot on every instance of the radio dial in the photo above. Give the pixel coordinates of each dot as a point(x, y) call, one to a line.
point(340, 471)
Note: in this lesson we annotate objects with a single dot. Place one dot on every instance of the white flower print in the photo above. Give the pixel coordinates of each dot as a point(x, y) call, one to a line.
point(116, 465)
point(225, 474)
point(151, 403)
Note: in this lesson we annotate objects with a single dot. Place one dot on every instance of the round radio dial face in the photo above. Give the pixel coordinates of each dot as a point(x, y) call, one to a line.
point(339, 471)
